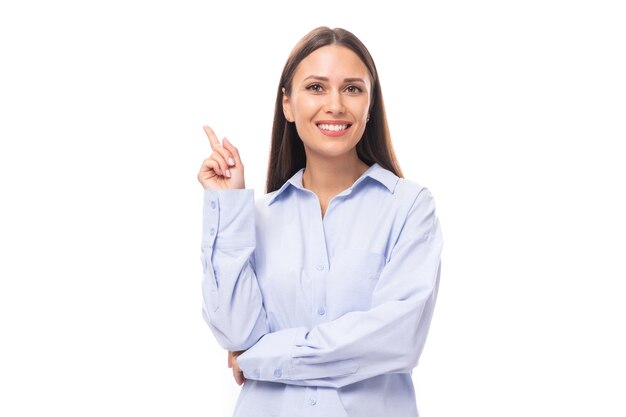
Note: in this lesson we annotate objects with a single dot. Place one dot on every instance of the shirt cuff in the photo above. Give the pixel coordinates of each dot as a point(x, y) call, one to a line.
point(228, 218)
point(270, 358)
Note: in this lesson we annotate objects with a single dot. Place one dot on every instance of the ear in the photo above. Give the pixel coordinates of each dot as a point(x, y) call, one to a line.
point(287, 107)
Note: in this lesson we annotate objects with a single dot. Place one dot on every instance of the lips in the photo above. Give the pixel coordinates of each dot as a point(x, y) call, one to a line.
point(333, 127)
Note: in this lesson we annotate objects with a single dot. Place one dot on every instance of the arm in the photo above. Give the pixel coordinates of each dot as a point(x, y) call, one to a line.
point(233, 306)
point(388, 338)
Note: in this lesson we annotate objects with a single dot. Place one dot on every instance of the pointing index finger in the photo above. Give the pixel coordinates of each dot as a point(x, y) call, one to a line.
point(212, 138)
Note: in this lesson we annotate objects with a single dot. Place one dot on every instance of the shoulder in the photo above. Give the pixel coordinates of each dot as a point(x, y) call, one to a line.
point(412, 192)
point(419, 209)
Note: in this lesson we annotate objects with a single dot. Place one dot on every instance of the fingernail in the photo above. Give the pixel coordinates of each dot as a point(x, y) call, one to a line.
point(231, 161)
point(228, 173)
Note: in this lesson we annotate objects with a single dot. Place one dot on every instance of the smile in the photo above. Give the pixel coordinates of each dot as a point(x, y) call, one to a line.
point(333, 129)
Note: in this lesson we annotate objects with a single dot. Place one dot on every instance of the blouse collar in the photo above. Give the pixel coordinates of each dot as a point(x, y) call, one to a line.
point(375, 171)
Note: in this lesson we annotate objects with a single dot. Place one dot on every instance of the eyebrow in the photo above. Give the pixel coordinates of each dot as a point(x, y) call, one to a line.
point(345, 80)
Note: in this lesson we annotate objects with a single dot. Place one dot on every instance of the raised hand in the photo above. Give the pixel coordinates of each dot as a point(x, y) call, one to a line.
point(223, 170)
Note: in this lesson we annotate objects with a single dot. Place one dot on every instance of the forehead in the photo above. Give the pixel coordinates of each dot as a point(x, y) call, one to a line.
point(332, 62)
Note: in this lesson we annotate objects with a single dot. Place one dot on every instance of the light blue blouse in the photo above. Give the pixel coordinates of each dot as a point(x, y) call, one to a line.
point(332, 311)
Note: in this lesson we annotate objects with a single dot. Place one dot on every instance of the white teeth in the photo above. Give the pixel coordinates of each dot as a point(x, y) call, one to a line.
point(334, 128)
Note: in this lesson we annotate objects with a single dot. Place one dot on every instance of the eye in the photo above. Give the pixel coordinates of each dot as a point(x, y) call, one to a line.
point(315, 87)
point(353, 89)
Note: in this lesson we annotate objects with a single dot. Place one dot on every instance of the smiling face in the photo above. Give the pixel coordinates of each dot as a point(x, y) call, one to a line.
point(329, 101)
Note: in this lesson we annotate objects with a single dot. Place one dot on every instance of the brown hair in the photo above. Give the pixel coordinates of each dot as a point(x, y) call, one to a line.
point(287, 154)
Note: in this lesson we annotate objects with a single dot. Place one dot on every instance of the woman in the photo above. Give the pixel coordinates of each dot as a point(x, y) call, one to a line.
point(324, 288)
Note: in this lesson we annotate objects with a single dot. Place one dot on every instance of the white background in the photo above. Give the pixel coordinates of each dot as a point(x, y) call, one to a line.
point(512, 113)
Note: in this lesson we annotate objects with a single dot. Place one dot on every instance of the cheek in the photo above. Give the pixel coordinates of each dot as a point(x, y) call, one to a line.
point(360, 108)
point(366, 107)
point(305, 106)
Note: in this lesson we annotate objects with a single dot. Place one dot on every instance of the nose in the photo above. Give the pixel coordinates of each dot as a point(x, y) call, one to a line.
point(334, 103)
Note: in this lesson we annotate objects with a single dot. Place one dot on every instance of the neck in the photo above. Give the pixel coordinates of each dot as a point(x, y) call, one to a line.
point(327, 177)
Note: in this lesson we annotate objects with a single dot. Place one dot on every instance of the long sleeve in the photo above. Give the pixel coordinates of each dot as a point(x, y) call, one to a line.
point(387, 338)
point(233, 306)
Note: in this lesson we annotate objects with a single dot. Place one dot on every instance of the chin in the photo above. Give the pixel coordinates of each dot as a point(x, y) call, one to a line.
point(331, 152)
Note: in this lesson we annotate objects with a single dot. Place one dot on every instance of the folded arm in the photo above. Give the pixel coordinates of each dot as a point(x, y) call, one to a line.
point(388, 338)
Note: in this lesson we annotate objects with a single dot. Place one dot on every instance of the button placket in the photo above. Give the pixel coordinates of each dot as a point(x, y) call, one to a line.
point(319, 296)
point(318, 262)
point(310, 396)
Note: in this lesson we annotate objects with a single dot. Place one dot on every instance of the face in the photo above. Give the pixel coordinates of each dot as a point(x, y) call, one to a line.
point(329, 101)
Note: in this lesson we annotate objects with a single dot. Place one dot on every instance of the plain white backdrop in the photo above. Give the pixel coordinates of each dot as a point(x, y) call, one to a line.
point(511, 113)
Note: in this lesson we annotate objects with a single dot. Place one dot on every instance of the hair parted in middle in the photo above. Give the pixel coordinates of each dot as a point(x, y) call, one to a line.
point(287, 154)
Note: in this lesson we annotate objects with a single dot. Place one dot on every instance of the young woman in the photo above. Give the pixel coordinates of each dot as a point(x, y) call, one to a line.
point(323, 289)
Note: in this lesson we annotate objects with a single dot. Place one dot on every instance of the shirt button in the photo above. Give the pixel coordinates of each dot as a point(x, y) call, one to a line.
point(319, 267)
point(213, 204)
point(212, 231)
point(321, 311)
point(312, 401)
point(278, 373)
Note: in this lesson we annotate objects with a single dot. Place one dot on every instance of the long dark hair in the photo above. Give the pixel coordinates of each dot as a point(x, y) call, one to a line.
point(287, 153)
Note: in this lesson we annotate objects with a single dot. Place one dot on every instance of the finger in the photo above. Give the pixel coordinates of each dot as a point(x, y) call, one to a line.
point(234, 151)
point(210, 166)
point(225, 153)
point(205, 176)
point(212, 137)
point(239, 378)
point(216, 156)
point(236, 369)
point(230, 359)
